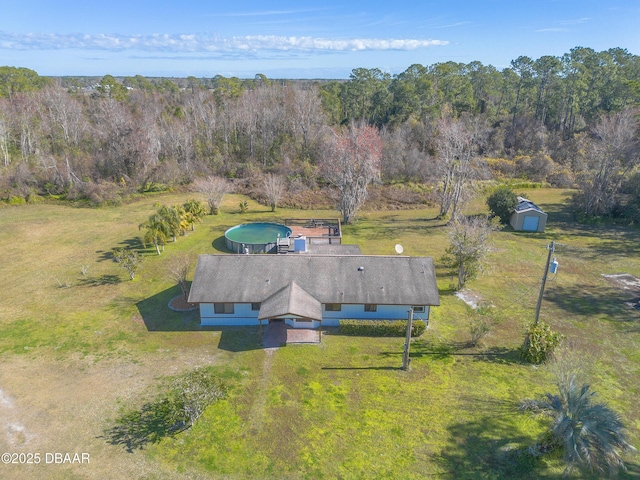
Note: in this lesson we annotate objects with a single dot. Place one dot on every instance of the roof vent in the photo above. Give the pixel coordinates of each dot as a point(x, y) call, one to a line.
point(361, 269)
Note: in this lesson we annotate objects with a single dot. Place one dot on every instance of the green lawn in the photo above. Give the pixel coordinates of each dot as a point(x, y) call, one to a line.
point(343, 409)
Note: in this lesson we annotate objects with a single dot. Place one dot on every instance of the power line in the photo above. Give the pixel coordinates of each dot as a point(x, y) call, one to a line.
point(530, 289)
point(517, 300)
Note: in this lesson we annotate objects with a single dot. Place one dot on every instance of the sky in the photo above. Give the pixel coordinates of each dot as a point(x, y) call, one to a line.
point(287, 39)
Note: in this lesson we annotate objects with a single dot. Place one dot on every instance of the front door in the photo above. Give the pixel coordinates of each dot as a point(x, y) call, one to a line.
point(530, 223)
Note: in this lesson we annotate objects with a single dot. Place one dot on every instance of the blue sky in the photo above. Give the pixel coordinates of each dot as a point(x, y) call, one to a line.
point(286, 39)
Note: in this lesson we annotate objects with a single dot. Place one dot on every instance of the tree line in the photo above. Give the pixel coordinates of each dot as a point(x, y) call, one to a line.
point(569, 121)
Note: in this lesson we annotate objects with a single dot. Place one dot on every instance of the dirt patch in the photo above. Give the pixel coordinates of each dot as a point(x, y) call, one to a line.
point(624, 281)
point(472, 299)
point(15, 434)
point(627, 283)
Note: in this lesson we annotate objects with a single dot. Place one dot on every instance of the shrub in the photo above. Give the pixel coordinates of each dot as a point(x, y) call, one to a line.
point(101, 193)
point(15, 200)
point(561, 178)
point(186, 400)
point(130, 260)
point(381, 328)
point(154, 187)
point(480, 324)
point(539, 343)
point(193, 392)
point(33, 197)
point(501, 167)
point(502, 202)
point(535, 168)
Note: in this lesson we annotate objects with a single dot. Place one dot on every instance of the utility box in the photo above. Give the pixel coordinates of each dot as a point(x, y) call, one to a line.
point(300, 244)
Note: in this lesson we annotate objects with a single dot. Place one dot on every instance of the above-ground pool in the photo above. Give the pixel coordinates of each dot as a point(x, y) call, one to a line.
point(259, 237)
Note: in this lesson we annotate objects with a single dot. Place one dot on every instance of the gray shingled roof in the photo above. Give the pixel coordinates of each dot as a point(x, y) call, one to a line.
point(357, 279)
point(333, 249)
point(291, 300)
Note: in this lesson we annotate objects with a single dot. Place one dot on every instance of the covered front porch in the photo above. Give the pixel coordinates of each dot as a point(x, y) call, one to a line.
point(292, 315)
point(277, 333)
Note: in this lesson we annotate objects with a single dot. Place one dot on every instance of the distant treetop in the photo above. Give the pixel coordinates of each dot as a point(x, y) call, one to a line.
point(20, 79)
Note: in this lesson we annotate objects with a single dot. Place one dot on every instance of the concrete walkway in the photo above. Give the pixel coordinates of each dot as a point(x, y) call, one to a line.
point(278, 334)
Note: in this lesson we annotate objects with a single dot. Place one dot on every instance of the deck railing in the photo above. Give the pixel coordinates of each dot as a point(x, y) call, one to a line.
point(333, 228)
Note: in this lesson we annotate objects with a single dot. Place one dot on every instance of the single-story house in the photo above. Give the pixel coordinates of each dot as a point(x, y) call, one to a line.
point(308, 291)
point(528, 217)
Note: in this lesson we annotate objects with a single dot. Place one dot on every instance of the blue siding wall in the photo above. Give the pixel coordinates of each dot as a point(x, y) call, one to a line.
point(244, 316)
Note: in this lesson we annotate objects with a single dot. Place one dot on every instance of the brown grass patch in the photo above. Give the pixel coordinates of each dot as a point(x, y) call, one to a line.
point(50, 406)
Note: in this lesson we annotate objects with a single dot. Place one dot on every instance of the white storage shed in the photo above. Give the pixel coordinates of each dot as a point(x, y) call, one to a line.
point(528, 217)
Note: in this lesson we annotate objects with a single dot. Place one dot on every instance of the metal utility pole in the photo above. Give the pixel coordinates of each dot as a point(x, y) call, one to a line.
point(551, 247)
point(407, 341)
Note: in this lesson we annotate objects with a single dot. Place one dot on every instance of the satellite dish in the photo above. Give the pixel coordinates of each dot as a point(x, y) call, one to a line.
point(399, 249)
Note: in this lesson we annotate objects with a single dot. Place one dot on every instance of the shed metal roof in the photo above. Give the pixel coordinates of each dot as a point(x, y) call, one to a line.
point(525, 205)
point(356, 279)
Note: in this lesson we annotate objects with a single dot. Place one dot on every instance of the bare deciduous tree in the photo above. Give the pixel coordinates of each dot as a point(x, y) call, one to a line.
point(273, 189)
point(457, 161)
point(214, 189)
point(402, 159)
point(26, 124)
point(469, 237)
point(304, 110)
point(178, 270)
point(64, 115)
point(616, 151)
point(270, 116)
point(4, 141)
point(351, 161)
point(202, 113)
point(116, 128)
point(247, 118)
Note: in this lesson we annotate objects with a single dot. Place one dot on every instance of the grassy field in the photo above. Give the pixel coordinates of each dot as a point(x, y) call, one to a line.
point(79, 348)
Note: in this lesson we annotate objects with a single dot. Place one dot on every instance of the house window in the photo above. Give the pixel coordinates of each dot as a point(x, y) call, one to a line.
point(370, 307)
point(223, 307)
point(332, 307)
point(418, 309)
point(255, 306)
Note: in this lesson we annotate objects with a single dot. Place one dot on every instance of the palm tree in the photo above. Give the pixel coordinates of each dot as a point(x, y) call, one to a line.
point(157, 231)
point(194, 211)
point(172, 220)
point(591, 434)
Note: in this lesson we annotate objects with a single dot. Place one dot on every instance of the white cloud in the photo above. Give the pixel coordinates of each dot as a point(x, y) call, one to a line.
point(180, 43)
point(575, 21)
point(266, 13)
point(565, 25)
